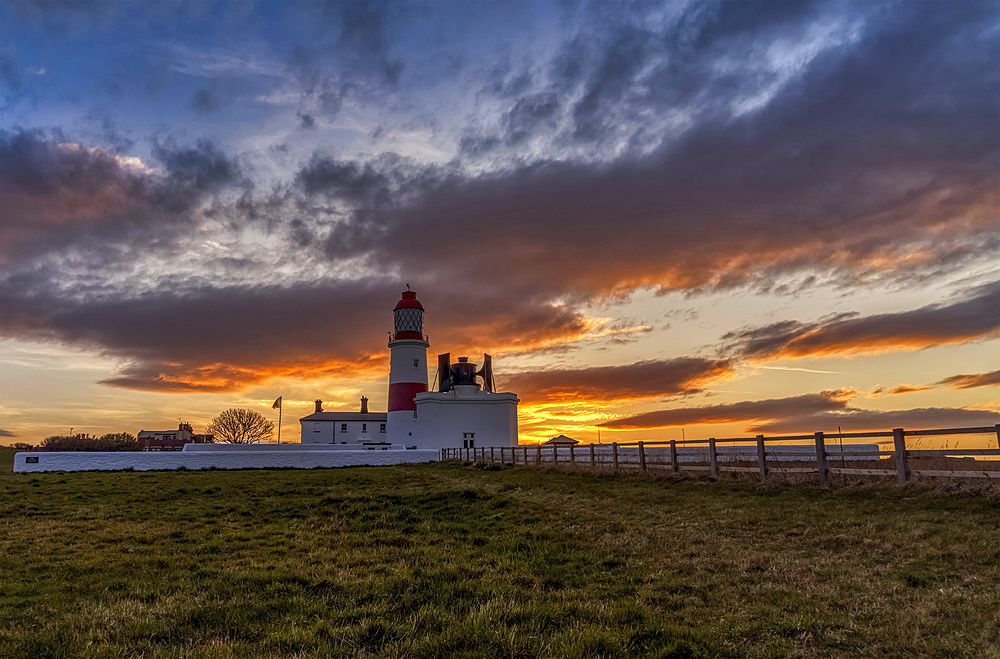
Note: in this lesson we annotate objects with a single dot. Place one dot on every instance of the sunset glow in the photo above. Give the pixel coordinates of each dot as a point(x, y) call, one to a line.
point(699, 217)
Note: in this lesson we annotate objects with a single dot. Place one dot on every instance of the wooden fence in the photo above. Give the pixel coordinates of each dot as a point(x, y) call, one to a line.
point(821, 457)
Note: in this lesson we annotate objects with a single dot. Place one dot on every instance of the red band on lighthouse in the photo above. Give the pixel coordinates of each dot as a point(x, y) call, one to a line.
point(401, 395)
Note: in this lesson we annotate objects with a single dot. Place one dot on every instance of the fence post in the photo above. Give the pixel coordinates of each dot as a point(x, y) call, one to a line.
point(593, 460)
point(674, 467)
point(572, 455)
point(761, 458)
point(555, 456)
point(525, 457)
point(824, 474)
point(899, 443)
point(493, 457)
point(538, 455)
point(614, 453)
point(998, 436)
point(713, 458)
point(642, 456)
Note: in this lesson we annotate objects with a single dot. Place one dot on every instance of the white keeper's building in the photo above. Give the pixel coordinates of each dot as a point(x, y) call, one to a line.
point(339, 428)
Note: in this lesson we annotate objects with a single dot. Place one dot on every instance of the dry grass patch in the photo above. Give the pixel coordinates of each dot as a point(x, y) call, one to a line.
point(445, 560)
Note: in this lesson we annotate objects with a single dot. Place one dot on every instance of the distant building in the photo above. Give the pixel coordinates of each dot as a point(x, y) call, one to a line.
point(561, 440)
point(362, 427)
point(172, 440)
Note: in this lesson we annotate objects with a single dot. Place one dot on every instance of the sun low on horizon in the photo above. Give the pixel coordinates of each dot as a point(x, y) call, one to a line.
point(662, 220)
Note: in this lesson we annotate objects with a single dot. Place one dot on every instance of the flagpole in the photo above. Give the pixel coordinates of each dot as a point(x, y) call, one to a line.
point(279, 403)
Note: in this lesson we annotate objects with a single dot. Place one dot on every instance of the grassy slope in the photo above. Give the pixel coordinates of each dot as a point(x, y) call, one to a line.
point(441, 560)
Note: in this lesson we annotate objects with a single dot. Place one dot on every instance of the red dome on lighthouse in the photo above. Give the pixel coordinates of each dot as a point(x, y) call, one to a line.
point(409, 301)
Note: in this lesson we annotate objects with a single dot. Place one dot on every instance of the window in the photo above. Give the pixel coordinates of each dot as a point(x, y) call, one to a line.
point(381, 427)
point(416, 363)
point(364, 427)
point(343, 427)
point(315, 427)
point(468, 440)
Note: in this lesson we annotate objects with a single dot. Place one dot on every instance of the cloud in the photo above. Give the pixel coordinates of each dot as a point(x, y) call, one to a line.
point(972, 381)
point(60, 196)
point(972, 318)
point(853, 419)
point(645, 379)
point(212, 339)
point(204, 101)
point(733, 412)
point(640, 158)
point(824, 411)
point(826, 178)
point(6, 433)
point(907, 389)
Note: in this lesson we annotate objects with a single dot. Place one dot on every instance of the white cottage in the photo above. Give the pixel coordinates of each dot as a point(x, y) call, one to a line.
point(362, 427)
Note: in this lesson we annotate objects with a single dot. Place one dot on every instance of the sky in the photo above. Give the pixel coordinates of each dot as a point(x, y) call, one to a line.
point(663, 219)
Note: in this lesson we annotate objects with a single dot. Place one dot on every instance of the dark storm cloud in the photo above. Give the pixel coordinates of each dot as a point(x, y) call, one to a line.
point(974, 318)
point(212, 339)
point(57, 194)
point(646, 379)
point(878, 159)
point(307, 121)
point(203, 165)
point(363, 37)
point(345, 179)
point(774, 408)
point(204, 101)
point(824, 411)
point(878, 156)
point(349, 52)
point(6, 433)
point(853, 419)
point(971, 381)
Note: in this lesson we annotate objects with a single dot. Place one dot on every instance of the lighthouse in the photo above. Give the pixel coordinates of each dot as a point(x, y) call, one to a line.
point(407, 368)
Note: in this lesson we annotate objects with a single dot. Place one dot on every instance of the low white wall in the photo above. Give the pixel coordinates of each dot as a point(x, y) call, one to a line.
point(254, 459)
point(285, 448)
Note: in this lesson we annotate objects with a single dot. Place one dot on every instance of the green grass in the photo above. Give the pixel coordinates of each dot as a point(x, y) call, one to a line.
point(445, 560)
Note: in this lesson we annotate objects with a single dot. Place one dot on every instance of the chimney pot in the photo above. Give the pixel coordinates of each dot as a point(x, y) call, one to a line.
point(364, 405)
point(319, 405)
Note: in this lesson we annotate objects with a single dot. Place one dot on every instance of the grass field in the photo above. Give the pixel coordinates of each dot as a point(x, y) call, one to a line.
point(449, 560)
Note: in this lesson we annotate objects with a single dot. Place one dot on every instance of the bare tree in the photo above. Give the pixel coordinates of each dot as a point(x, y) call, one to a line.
point(240, 426)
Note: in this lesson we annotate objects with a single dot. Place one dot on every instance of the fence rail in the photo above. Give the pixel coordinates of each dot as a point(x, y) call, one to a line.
point(769, 454)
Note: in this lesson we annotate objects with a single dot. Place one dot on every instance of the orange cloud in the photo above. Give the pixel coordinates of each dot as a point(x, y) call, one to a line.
point(990, 379)
point(641, 380)
point(960, 322)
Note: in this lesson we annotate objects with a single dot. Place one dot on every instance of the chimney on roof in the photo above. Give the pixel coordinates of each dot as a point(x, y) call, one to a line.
point(364, 405)
point(319, 405)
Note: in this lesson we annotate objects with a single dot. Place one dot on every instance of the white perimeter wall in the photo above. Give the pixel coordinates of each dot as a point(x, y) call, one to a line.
point(202, 459)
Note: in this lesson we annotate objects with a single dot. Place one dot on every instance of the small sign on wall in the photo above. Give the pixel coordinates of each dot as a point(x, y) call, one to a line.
point(31, 459)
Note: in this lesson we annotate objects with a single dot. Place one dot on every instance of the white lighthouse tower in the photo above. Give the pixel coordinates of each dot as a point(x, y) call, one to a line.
point(407, 369)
